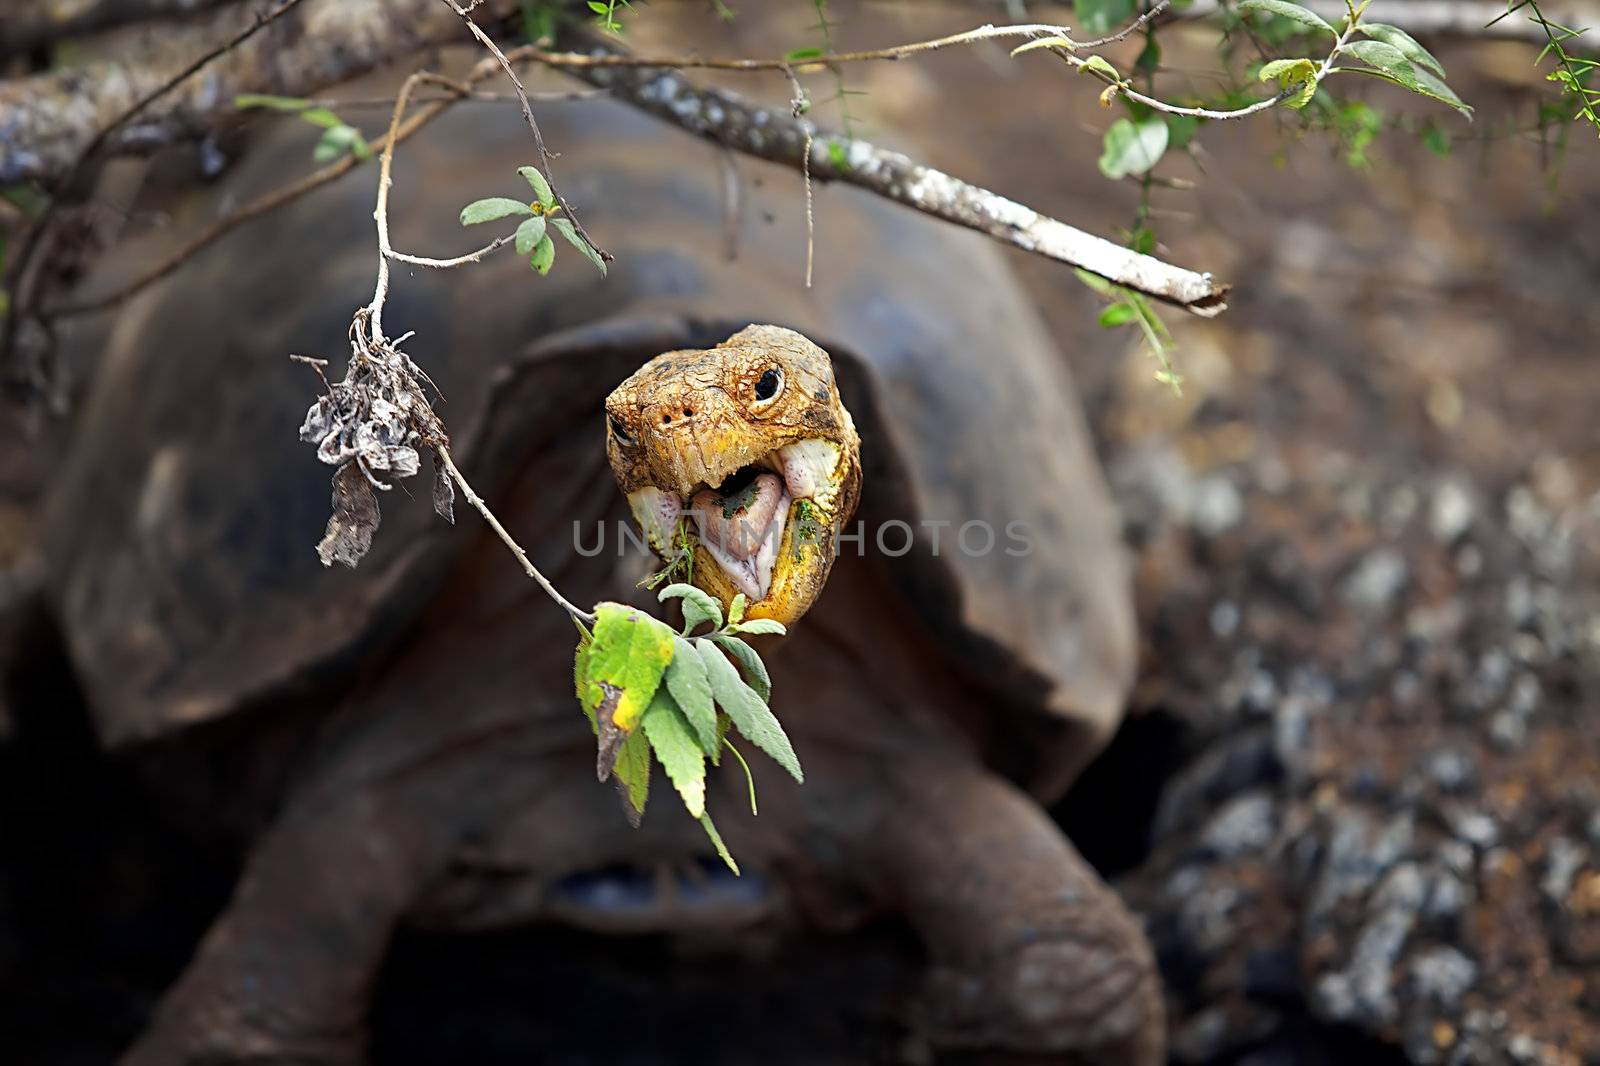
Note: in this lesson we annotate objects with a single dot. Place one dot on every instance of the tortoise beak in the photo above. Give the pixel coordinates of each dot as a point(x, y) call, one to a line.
point(764, 529)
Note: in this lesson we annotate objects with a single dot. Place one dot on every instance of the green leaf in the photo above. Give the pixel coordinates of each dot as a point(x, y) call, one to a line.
point(760, 625)
point(678, 751)
point(580, 677)
point(1100, 17)
point(335, 143)
point(1181, 130)
point(1100, 65)
point(716, 841)
point(1066, 44)
point(276, 103)
point(697, 606)
point(543, 257)
point(1288, 71)
point(541, 188)
point(529, 234)
point(1149, 60)
point(492, 208)
point(565, 227)
point(1397, 38)
point(631, 651)
point(1392, 65)
point(750, 715)
point(1133, 148)
point(754, 670)
point(1386, 57)
point(633, 770)
point(599, 7)
point(1437, 140)
point(795, 55)
point(1117, 315)
point(686, 680)
point(1293, 12)
point(1095, 282)
point(321, 116)
point(1298, 74)
point(749, 778)
point(1434, 89)
point(736, 609)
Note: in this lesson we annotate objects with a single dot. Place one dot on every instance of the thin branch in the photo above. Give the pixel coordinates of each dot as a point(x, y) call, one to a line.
point(262, 205)
point(776, 136)
point(25, 271)
point(599, 59)
point(510, 542)
point(460, 260)
point(533, 124)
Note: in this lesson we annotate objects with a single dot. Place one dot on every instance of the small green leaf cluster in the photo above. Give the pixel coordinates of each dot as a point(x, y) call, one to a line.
point(1572, 73)
point(539, 217)
point(605, 14)
point(1385, 52)
point(338, 137)
point(647, 689)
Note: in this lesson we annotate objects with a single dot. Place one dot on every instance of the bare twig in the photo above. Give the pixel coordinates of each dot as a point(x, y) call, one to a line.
point(510, 542)
point(26, 272)
point(256, 208)
point(728, 120)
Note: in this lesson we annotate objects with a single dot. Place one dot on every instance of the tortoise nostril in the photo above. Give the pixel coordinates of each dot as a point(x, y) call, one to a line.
point(688, 412)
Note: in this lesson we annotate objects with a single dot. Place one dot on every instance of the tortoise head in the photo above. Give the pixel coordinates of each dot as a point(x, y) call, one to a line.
point(740, 464)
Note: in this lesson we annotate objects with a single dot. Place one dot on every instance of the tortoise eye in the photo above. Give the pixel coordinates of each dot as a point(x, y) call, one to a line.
point(617, 431)
point(769, 385)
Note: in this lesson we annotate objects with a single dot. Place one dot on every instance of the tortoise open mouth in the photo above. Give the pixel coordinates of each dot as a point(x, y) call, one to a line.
point(744, 519)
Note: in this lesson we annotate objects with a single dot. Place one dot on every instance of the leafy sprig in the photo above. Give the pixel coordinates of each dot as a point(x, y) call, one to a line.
point(647, 689)
point(540, 215)
point(1572, 73)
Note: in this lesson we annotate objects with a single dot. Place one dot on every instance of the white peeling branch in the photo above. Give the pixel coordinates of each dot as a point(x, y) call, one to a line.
point(47, 120)
point(775, 135)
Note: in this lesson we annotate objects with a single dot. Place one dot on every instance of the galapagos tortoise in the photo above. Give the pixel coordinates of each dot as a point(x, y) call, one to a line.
point(400, 742)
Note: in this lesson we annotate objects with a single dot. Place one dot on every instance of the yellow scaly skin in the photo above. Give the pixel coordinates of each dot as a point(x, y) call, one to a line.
point(687, 420)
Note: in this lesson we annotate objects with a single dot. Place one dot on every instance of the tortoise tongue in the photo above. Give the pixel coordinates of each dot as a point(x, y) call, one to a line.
point(739, 522)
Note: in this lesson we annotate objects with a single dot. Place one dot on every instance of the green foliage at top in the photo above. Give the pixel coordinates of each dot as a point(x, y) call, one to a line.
point(1575, 75)
point(678, 695)
point(1100, 17)
point(1300, 16)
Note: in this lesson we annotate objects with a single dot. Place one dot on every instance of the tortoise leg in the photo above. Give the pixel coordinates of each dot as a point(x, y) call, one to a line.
point(1032, 954)
point(284, 975)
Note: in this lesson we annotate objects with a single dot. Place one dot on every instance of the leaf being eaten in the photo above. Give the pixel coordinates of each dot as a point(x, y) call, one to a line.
point(678, 751)
point(748, 711)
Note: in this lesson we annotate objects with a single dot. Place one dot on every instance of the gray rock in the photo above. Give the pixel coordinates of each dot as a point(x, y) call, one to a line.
point(1450, 513)
point(1563, 858)
point(1443, 975)
point(1245, 824)
point(1376, 580)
